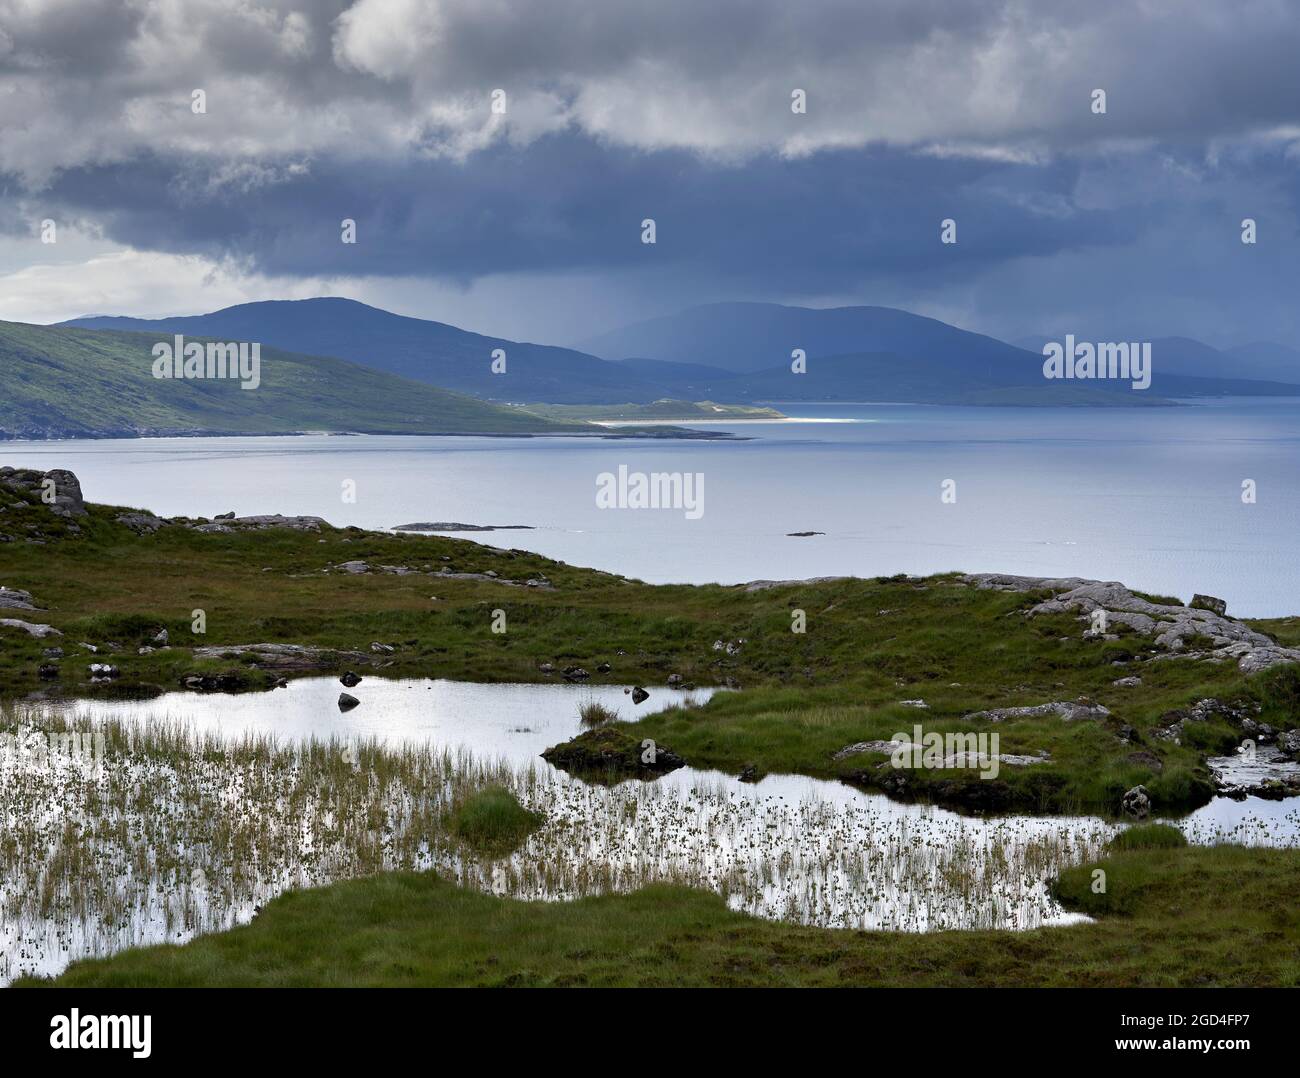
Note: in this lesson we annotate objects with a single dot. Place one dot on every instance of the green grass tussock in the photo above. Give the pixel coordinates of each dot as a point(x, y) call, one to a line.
point(491, 821)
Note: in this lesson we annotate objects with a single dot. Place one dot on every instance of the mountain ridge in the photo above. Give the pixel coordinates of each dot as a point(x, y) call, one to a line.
point(69, 382)
point(728, 352)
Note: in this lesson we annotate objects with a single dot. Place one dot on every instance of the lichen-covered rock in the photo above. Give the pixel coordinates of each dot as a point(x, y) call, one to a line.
point(30, 628)
point(141, 523)
point(59, 490)
point(16, 599)
point(1063, 709)
point(1170, 627)
point(272, 520)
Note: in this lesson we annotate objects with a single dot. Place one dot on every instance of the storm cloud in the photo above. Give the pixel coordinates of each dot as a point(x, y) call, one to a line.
point(380, 111)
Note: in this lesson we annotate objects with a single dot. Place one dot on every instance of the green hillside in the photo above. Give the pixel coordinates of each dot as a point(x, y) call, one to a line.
point(66, 383)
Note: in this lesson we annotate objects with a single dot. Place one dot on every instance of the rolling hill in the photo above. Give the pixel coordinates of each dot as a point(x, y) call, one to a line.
point(734, 353)
point(67, 383)
point(415, 348)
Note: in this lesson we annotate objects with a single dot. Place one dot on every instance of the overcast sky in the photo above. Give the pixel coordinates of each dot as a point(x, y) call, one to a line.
point(527, 224)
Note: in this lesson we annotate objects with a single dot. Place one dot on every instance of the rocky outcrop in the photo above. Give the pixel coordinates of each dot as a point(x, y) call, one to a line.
point(58, 490)
point(1174, 723)
point(141, 523)
point(764, 585)
point(258, 523)
point(1171, 628)
point(30, 628)
point(960, 759)
point(280, 657)
point(361, 568)
point(859, 747)
point(16, 599)
point(1063, 709)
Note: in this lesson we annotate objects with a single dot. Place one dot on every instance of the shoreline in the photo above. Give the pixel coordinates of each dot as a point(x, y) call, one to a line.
point(133, 436)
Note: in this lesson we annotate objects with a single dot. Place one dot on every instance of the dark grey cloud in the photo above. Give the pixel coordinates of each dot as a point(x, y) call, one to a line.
point(92, 81)
point(566, 202)
point(978, 110)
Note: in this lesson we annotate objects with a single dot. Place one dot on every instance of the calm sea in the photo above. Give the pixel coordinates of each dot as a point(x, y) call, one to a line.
point(1150, 497)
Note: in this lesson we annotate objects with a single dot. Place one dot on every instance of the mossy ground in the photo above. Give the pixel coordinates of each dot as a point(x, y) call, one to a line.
point(1162, 921)
point(869, 645)
point(492, 822)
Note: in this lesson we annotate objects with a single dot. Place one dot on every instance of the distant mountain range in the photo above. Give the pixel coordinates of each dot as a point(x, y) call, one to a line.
point(881, 353)
point(1184, 356)
point(69, 383)
point(423, 351)
point(733, 353)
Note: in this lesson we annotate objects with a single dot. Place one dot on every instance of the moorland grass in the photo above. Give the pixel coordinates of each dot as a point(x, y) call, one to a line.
point(492, 822)
point(1161, 921)
point(594, 713)
point(1149, 836)
point(869, 644)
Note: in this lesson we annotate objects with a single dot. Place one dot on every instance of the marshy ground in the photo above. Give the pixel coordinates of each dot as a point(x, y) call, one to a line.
point(174, 834)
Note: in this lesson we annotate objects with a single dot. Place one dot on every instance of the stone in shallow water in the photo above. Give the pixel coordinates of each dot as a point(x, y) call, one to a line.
point(347, 701)
point(1137, 802)
point(1265, 772)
